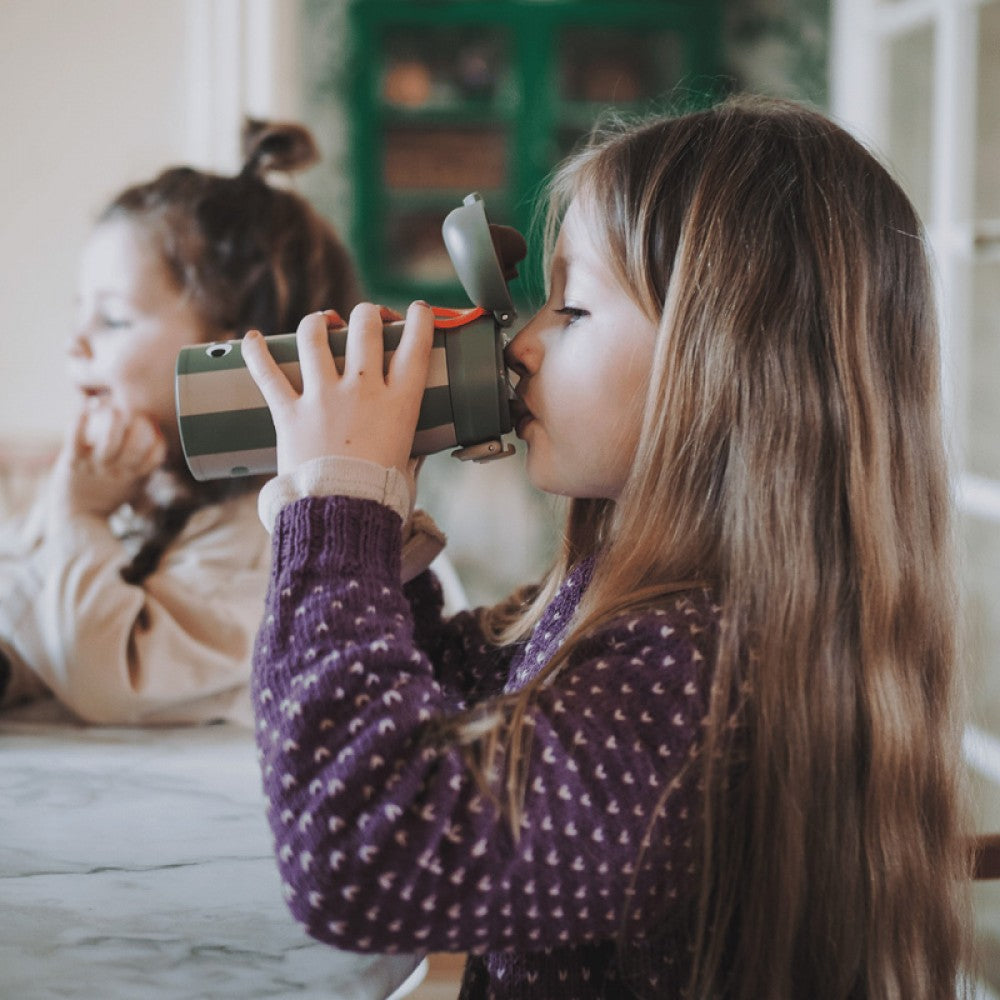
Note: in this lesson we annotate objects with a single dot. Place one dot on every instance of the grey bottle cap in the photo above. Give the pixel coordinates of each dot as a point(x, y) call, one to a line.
point(466, 233)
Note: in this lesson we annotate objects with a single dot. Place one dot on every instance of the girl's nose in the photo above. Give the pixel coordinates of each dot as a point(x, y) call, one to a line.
point(521, 354)
point(78, 345)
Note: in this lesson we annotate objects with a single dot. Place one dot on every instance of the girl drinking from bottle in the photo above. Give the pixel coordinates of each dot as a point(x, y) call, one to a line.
point(132, 592)
point(714, 752)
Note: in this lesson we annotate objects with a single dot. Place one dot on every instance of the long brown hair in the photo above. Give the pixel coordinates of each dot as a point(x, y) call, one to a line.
point(249, 255)
point(791, 455)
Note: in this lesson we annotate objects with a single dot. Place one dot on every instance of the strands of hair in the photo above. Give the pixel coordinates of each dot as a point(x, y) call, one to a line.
point(792, 459)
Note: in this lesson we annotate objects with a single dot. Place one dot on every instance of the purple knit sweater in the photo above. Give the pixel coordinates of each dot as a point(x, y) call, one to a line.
point(384, 840)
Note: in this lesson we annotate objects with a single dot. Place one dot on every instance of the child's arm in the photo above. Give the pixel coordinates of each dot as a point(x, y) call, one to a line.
point(465, 664)
point(174, 649)
point(384, 839)
point(464, 661)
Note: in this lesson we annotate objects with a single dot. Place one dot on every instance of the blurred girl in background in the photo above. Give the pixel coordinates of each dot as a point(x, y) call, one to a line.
point(131, 592)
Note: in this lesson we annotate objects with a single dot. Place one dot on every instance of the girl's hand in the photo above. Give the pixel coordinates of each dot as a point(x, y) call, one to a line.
point(360, 414)
point(106, 460)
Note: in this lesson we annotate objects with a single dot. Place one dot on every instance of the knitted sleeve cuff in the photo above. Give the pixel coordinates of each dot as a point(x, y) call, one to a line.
point(335, 476)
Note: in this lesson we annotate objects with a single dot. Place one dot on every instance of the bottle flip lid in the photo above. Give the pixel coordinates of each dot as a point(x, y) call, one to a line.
point(484, 256)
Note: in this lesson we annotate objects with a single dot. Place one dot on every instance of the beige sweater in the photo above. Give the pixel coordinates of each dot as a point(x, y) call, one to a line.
point(175, 649)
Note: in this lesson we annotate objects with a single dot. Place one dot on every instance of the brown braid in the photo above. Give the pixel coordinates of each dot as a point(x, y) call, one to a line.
point(169, 519)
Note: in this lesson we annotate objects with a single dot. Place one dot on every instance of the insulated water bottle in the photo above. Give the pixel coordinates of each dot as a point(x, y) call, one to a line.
point(226, 427)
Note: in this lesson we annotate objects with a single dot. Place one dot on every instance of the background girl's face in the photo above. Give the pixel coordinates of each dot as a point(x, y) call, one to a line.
point(584, 361)
point(133, 319)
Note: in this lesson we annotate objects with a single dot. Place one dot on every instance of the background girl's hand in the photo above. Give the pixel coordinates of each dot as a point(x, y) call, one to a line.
point(360, 414)
point(106, 460)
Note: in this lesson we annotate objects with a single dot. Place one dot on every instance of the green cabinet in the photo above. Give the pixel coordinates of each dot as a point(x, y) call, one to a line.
point(455, 96)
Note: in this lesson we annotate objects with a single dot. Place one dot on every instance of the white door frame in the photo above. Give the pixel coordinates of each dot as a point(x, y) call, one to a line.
point(241, 60)
point(861, 32)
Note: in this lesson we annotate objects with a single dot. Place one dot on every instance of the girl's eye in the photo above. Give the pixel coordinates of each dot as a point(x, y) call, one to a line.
point(572, 314)
point(113, 322)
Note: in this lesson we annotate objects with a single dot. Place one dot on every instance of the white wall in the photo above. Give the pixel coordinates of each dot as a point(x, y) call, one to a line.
point(98, 94)
point(93, 98)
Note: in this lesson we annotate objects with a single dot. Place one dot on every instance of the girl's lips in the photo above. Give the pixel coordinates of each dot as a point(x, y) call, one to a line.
point(94, 391)
point(520, 415)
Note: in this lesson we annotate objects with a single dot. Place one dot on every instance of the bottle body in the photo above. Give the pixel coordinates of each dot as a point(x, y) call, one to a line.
point(226, 428)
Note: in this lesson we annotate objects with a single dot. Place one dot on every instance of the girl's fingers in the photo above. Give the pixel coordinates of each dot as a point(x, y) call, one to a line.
point(78, 443)
point(151, 459)
point(365, 353)
point(106, 433)
point(412, 357)
point(389, 315)
point(264, 370)
point(315, 357)
point(143, 447)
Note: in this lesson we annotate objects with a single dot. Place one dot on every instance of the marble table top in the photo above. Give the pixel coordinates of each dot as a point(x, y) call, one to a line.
point(136, 864)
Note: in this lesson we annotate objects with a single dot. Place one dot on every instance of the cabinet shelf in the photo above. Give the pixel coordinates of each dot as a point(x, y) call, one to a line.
point(448, 114)
point(460, 95)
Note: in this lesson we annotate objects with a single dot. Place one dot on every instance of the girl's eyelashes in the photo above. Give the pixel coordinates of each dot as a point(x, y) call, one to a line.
point(113, 321)
point(103, 319)
point(571, 313)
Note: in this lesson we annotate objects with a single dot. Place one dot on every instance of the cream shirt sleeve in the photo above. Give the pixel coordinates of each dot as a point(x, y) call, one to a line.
point(175, 649)
point(422, 541)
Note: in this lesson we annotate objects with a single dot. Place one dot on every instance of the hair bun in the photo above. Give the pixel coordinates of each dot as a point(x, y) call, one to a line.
point(283, 146)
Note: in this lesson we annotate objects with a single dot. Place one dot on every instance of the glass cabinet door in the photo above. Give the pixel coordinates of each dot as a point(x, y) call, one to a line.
point(461, 95)
point(620, 69)
point(438, 126)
